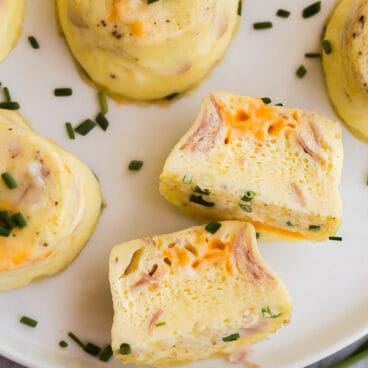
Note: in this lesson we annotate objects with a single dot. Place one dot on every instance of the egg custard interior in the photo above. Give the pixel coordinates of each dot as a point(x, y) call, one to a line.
point(147, 50)
point(57, 195)
point(275, 167)
point(198, 293)
point(11, 20)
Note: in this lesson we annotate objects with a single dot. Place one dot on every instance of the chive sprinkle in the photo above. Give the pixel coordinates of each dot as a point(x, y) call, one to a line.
point(262, 25)
point(312, 55)
point(279, 104)
point(301, 71)
point(160, 324)
point(314, 228)
point(28, 321)
point(85, 127)
point(76, 340)
point(151, 1)
point(335, 238)
point(70, 130)
point(171, 96)
point(248, 196)
point(63, 92)
point(311, 10)
point(240, 8)
point(135, 165)
point(19, 220)
point(6, 94)
point(106, 354)
point(187, 179)
point(9, 180)
point(199, 200)
point(199, 190)
point(102, 121)
point(258, 235)
point(212, 227)
point(92, 349)
point(266, 100)
point(9, 105)
point(282, 13)
point(232, 337)
point(6, 219)
point(289, 223)
point(4, 231)
point(125, 349)
point(326, 45)
point(33, 42)
point(63, 344)
point(103, 102)
point(245, 207)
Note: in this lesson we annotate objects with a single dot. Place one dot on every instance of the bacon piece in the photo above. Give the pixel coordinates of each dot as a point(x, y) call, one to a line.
point(144, 280)
point(259, 327)
point(154, 319)
point(241, 356)
point(318, 137)
point(299, 193)
point(307, 149)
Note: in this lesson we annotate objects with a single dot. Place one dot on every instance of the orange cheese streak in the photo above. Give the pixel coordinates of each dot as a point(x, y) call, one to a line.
point(136, 28)
point(273, 229)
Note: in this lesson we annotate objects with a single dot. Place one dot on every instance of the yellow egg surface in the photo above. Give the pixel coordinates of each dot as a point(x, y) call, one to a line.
point(144, 51)
point(198, 293)
point(276, 167)
point(58, 196)
point(346, 64)
point(11, 19)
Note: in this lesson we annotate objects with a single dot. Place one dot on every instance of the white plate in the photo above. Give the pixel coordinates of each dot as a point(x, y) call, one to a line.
point(327, 282)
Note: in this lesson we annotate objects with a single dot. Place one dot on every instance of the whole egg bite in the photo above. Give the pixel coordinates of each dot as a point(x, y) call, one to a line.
point(144, 51)
point(11, 19)
point(58, 196)
point(345, 64)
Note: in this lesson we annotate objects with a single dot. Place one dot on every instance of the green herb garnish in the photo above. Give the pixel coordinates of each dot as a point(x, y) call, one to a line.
point(279, 104)
point(266, 313)
point(187, 179)
point(33, 42)
point(314, 227)
point(125, 349)
point(63, 344)
point(258, 235)
point(6, 94)
point(311, 10)
point(312, 55)
point(92, 349)
point(172, 95)
point(4, 231)
point(106, 354)
point(266, 100)
point(6, 219)
point(326, 45)
point(19, 220)
point(85, 127)
point(262, 25)
point(289, 223)
point(135, 165)
point(199, 190)
point(212, 227)
point(301, 71)
point(232, 337)
point(9, 180)
point(199, 200)
point(160, 324)
point(246, 207)
point(336, 238)
point(70, 130)
point(76, 340)
point(102, 121)
point(248, 196)
point(63, 92)
point(9, 105)
point(282, 13)
point(28, 321)
point(240, 8)
point(103, 102)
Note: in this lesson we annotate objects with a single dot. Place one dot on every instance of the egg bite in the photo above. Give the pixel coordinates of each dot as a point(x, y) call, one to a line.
point(50, 203)
point(278, 168)
point(11, 20)
point(144, 50)
point(195, 294)
point(344, 58)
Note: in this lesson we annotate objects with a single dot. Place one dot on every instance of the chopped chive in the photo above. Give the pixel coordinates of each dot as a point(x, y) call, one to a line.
point(336, 238)
point(28, 321)
point(314, 227)
point(92, 349)
point(282, 13)
point(6, 94)
point(151, 1)
point(33, 42)
point(171, 96)
point(232, 337)
point(245, 207)
point(326, 45)
point(258, 235)
point(125, 349)
point(76, 340)
point(311, 10)
point(4, 231)
point(70, 130)
point(63, 344)
point(6, 219)
point(240, 8)
point(266, 313)
point(262, 25)
point(301, 71)
point(63, 92)
point(266, 100)
point(312, 55)
point(9, 180)
point(199, 190)
point(289, 223)
point(199, 200)
point(187, 179)
point(135, 165)
point(212, 227)
point(11, 105)
point(279, 104)
point(102, 121)
point(248, 196)
point(85, 127)
point(106, 354)
point(103, 102)
point(19, 220)
point(160, 324)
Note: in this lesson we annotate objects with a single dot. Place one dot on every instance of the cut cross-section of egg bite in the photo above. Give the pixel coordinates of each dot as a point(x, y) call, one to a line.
point(58, 197)
point(11, 19)
point(345, 63)
point(193, 294)
point(276, 167)
point(147, 50)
